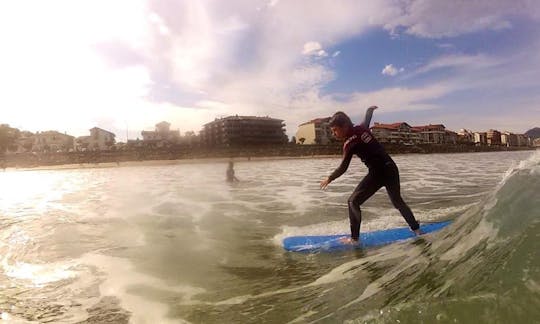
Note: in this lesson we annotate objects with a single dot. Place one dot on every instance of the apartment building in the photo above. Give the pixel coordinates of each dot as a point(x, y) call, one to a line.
point(480, 138)
point(243, 130)
point(465, 136)
point(509, 139)
point(432, 134)
point(395, 133)
point(523, 140)
point(316, 131)
point(493, 137)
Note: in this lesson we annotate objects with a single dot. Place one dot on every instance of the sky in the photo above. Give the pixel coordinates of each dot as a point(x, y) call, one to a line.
point(126, 65)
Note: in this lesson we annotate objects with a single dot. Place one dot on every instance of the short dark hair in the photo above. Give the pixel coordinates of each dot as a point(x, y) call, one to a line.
point(340, 119)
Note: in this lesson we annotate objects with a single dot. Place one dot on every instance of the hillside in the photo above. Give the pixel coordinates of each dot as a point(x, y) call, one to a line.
point(533, 132)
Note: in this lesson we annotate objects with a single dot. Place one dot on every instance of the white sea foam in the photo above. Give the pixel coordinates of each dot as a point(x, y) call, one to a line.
point(35, 274)
point(119, 276)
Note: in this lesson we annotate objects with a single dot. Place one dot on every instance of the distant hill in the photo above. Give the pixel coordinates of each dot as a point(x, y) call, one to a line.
point(533, 132)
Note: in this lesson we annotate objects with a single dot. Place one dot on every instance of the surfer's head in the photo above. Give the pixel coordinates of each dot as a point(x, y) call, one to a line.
point(340, 124)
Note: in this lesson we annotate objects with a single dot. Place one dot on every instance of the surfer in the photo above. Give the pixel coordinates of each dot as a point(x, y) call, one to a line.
point(382, 170)
point(230, 173)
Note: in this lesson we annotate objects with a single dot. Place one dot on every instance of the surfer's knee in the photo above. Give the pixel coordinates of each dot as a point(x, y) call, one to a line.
point(354, 201)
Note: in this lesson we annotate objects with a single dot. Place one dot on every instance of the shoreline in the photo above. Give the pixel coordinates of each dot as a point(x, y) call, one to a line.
point(93, 160)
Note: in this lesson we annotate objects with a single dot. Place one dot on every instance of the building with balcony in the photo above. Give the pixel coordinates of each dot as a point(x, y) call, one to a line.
point(395, 133)
point(161, 136)
point(432, 134)
point(243, 131)
point(316, 131)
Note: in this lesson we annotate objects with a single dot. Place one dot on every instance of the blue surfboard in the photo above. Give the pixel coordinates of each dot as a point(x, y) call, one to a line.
point(367, 240)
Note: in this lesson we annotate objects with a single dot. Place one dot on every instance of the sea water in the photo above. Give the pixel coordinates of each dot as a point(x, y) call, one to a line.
point(176, 243)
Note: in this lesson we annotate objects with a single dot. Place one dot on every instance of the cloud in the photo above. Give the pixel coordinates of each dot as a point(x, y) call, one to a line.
point(459, 62)
point(441, 18)
point(446, 46)
point(314, 49)
point(391, 70)
point(402, 98)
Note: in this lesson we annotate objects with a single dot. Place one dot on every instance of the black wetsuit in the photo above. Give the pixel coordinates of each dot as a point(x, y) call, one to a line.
point(382, 172)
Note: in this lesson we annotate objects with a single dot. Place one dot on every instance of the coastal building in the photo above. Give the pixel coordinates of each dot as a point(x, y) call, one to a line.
point(99, 140)
point(316, 131)
point(465, 136)
point(161, 136)
point(509, 139)
point(523, 140)
point(493, 137)
point(52, 141)
point(480, 138)
point(450, 137)
point(243, 130)
point(395, 133)
point(432, 134)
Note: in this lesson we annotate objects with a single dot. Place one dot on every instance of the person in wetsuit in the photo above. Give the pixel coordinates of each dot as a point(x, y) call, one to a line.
point(230, 173)
point(382, 170)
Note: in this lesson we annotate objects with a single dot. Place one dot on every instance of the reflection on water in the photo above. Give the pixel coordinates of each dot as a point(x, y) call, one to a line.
point(175, 242)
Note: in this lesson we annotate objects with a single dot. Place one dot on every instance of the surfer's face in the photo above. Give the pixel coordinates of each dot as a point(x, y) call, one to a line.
point(339, 132)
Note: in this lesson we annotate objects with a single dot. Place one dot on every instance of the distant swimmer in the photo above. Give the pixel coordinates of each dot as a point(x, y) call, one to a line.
point(382, 170)
point(230, 173)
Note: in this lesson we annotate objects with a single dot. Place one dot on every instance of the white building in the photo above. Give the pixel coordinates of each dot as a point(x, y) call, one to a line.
point(162, 135)
point(509, 139)
point(480, 138)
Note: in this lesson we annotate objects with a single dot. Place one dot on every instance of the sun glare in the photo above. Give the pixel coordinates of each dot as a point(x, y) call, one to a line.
point(36, 188)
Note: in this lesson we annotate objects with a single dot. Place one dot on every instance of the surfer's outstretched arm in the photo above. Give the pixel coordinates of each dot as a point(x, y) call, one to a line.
point(369, 114)
point(347, 156)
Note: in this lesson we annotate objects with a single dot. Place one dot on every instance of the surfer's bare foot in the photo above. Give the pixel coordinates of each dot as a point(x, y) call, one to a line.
point(418, 232)
point(348, 240)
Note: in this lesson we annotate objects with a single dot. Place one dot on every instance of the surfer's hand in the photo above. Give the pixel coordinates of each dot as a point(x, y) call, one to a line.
point(325, 183)
point(373, 107)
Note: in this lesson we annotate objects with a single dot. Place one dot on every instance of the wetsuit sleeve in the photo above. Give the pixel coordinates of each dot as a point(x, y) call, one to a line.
point(367, 119)
point(347, 156)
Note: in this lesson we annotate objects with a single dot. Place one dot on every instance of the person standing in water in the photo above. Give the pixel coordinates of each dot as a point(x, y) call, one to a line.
point(230, 173)
point(382, 170)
